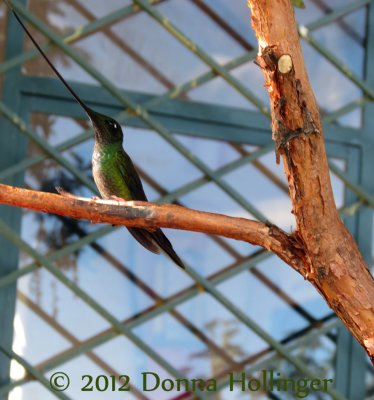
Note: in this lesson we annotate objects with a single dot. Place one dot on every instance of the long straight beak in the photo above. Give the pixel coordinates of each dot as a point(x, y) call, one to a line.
point(92, 115)
point(88, 110)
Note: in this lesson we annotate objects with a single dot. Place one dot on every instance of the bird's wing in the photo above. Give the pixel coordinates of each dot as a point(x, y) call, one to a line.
point(130, 176)
point(131, 179)
point(150, 240)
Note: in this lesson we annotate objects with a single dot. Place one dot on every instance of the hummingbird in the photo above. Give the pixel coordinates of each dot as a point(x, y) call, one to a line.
point(113, 170)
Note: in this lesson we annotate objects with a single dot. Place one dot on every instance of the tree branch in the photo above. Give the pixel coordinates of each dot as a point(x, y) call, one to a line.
point(151, 216)
point(338, 270)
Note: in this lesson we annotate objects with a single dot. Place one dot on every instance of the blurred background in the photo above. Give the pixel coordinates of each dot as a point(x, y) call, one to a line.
point(206, 145)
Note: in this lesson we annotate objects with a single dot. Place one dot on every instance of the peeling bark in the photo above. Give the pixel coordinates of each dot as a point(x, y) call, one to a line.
point(335, 266)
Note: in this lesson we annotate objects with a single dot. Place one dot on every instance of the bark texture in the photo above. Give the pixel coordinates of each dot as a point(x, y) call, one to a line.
point(333, 263)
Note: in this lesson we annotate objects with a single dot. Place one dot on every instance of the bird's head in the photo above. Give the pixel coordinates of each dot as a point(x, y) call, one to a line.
point(107, 130)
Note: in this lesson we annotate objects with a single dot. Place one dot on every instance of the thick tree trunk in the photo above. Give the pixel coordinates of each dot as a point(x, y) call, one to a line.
point(333, 263)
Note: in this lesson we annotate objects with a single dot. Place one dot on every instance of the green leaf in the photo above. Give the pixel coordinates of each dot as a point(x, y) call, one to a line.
point(298, 3)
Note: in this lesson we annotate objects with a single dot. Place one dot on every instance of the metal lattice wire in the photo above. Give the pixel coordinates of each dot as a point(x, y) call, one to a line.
point(149, 113)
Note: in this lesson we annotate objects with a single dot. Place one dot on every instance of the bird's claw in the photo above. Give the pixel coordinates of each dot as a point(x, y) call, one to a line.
point(117, 199)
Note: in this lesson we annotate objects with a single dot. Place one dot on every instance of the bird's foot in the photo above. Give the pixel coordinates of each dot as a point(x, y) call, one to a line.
point(117, 199)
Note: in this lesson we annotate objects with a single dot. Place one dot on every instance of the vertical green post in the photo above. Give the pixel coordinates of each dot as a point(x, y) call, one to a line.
point(12, 150)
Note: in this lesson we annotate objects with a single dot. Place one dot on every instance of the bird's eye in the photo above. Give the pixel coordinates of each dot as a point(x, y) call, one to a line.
point(113, 125)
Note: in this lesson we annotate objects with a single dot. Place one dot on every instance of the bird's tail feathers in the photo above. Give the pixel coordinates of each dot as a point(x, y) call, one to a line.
point(145, 239)
point(156, 241)
point(165, 245)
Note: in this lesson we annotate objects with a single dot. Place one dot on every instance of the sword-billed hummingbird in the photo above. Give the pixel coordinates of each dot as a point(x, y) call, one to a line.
point(113, 171)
